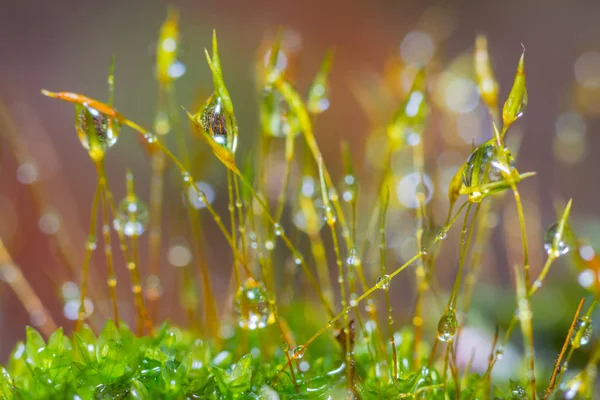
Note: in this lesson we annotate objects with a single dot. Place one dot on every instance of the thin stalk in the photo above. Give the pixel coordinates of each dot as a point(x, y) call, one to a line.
point(90, 246)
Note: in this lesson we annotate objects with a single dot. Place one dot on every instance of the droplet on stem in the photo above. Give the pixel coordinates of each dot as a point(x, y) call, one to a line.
point(383, 282)
point(252, 306)
point(132, 217)
point(447, 326)
point(562, 245)
point(96, 131)
point(582, 334)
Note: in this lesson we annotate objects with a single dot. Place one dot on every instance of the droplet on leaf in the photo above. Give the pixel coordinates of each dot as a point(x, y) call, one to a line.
point(216, 122)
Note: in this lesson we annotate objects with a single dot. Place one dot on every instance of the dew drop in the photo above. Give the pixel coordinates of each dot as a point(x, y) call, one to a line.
point(112, 282)
point(91, 243)
point(562, 246)
point(252, 306)
point(442, 234)
point(582, 334)
point(299, 351)
point(186, 176)
point(518, 393)
point(217, 123)
point(447, 327)
point(383, 282)
point(483, 167)
point(278, 229)
point(132, 217)
point(196, 199)
point(150, 138)
point(95, 130)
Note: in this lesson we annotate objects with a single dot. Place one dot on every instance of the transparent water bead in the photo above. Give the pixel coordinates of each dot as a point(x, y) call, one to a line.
point(483, 166)
point(252, 306)
point(132, 217)
point(309, 213)
point(95, 128)
point(217, 123)
point(299, 351)
point(562, 246)
point(383, 282)
point(275, 116)
point(447, 327)
point(582, 334)
point(518, 393)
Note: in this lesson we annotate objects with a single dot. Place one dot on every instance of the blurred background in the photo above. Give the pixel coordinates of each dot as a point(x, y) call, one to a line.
point(67, 46)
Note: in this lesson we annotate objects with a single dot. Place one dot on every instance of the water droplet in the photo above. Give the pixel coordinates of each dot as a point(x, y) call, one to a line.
point(442, 234)
point(299, 351)
point(275, 117)
point(196, 199)
point(518, 393)
point(562, 246)
point(91, 243)
point(353, 259)
point(217, 123)
point(278, 229)
point(252, 306)
point(95, 130)
point(483, 167)
point(298, 259)
point(447, 327)
point(309, 215)
point(317, 98)
point(499, 353)
point(186, 176)
point(49, 223)
point(132, 216)
point(150, 138)
point(349, 188)
point(111, 282)
point(582, 334)
point(383, 282)
point(269, 245)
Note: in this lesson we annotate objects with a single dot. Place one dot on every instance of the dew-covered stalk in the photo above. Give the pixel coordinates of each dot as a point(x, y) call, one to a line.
point(90, 246)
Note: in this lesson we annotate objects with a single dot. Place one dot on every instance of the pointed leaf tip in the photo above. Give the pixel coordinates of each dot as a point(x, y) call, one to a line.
point(517, 99)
